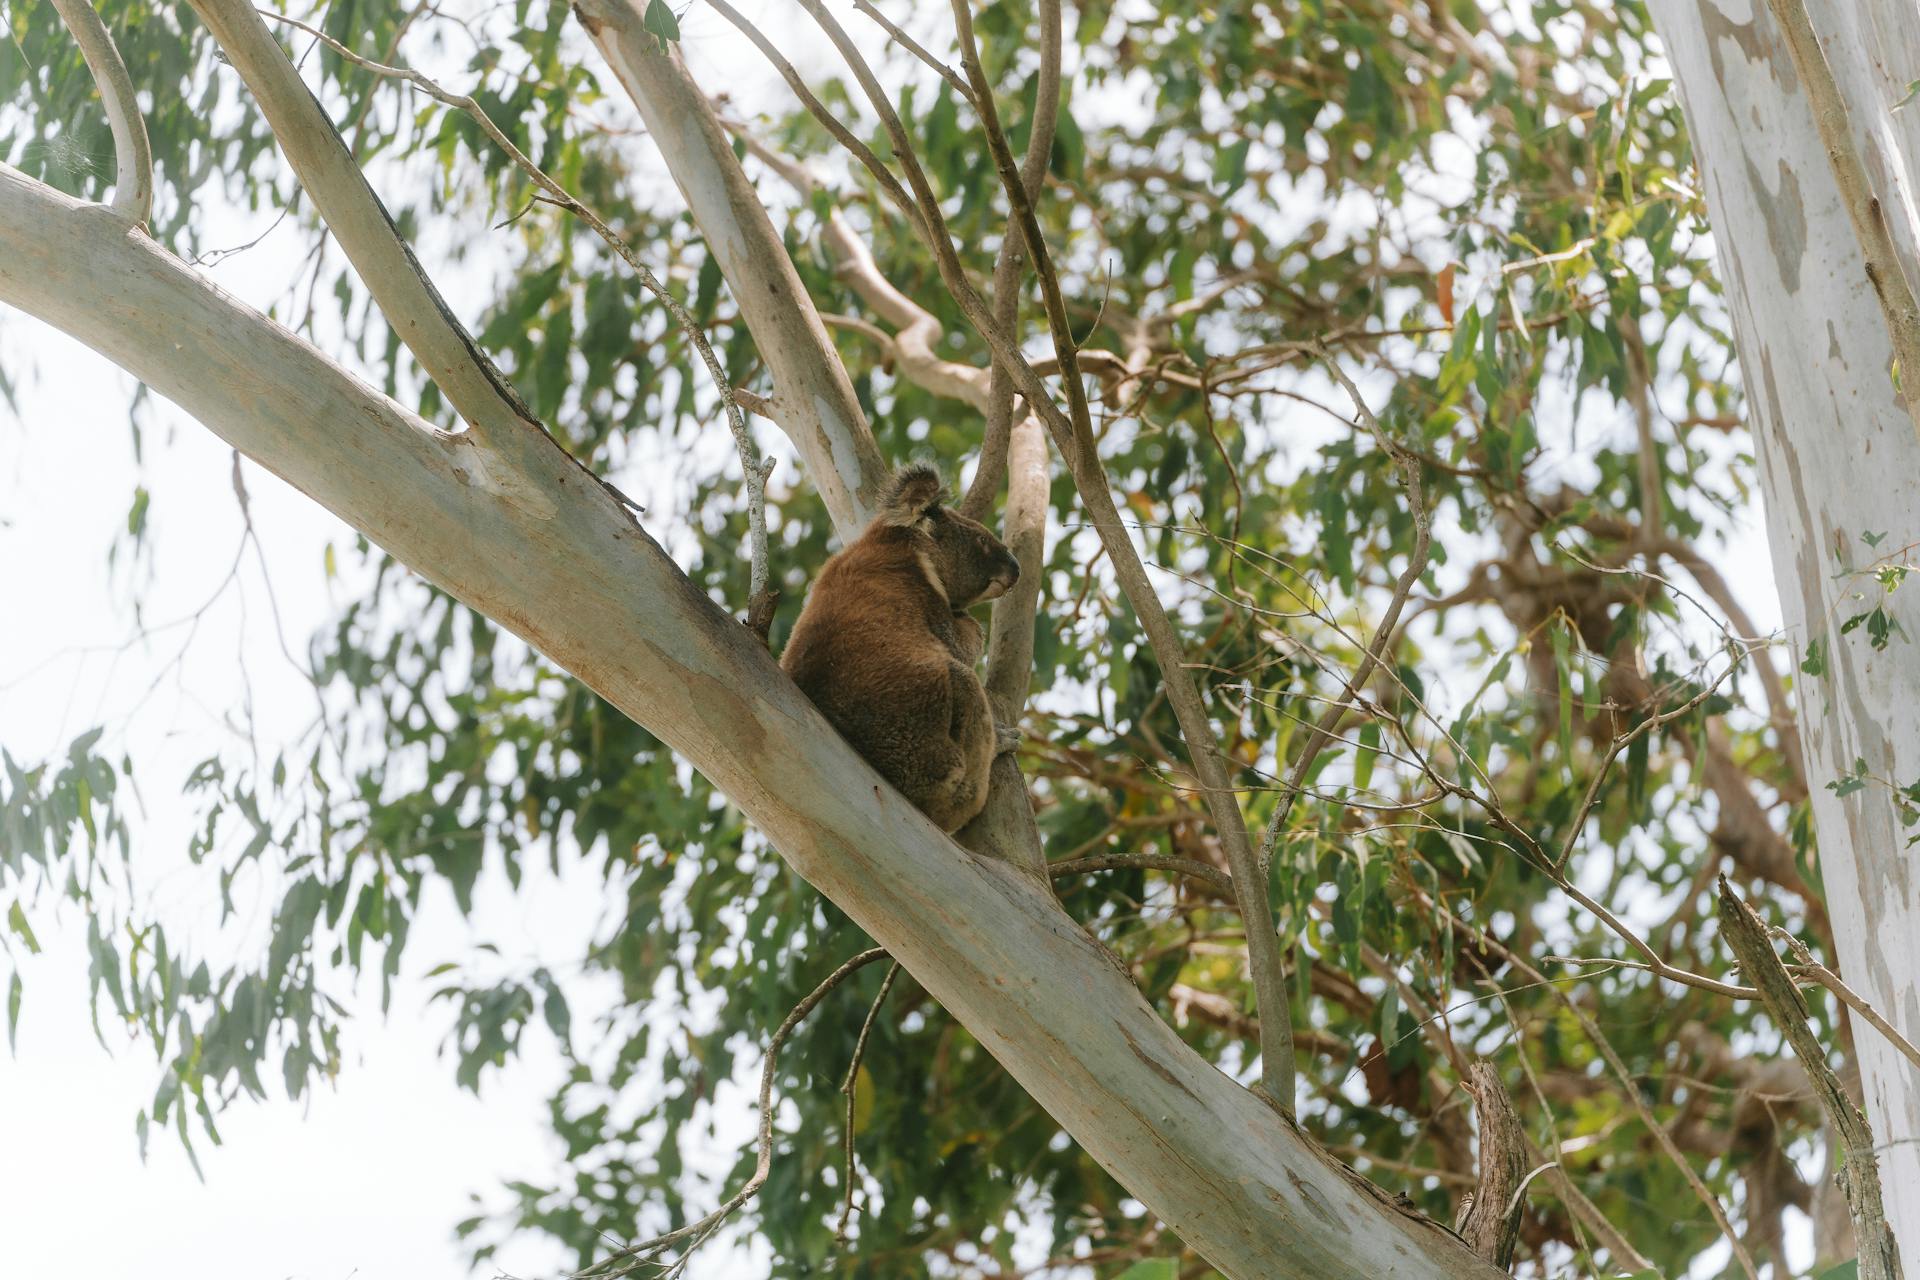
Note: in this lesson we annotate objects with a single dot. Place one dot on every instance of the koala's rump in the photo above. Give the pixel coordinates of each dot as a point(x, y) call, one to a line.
point(886, 699)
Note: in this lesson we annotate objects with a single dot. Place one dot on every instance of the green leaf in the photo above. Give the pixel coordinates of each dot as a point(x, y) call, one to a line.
point(17, 921)
point(1152, 1269)
point(13, 1011)
point(1368, 752)
point(660, 21)
point(137, 513)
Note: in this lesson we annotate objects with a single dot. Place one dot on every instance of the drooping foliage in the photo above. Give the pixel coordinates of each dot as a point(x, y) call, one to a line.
point(1486, 214)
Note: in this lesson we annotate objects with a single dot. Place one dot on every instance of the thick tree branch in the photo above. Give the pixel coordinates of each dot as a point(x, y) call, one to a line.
point(1490, 1218)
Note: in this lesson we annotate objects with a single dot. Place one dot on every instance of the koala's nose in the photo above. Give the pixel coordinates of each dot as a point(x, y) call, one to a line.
point(1009, 570)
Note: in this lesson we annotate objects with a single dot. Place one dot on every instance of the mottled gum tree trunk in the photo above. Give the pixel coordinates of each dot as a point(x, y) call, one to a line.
point(1840, 466)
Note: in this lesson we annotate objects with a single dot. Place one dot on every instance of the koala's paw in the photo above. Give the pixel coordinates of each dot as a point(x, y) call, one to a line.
point(1006, 738)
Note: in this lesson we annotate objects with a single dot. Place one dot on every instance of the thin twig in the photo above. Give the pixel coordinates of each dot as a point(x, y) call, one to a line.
point(847, 1087)
point(914, 47)
point(1323, 732)
point(634, 1256)
point(1819, 973)
point(1219, 881)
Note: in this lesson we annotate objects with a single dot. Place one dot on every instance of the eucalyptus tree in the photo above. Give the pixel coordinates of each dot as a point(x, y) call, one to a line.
point(1355, 387)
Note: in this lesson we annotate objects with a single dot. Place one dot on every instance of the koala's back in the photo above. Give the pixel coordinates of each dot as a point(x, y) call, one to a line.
point(868, 651)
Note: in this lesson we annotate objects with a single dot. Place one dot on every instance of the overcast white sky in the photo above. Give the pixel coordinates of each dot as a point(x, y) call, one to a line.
point(365, 1179)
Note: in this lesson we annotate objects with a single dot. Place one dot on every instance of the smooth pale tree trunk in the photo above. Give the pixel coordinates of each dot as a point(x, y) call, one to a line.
point(503, 519)
point(1840, 463)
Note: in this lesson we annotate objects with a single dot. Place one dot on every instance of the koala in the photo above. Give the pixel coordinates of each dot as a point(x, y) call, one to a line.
point(885, 648)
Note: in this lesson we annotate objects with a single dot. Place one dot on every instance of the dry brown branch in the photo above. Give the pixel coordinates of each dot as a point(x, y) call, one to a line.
point(1859, 1174)
point(1490, 1218)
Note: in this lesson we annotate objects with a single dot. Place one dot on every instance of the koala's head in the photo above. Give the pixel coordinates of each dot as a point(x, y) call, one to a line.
point(966, 561)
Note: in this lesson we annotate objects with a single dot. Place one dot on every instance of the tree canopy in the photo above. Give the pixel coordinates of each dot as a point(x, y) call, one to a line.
point(1485, 216)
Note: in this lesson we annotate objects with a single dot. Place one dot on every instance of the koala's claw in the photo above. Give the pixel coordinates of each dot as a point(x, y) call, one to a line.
point(1006, 738)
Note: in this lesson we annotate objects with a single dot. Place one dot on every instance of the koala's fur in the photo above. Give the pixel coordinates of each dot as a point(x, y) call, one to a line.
point(885, 648)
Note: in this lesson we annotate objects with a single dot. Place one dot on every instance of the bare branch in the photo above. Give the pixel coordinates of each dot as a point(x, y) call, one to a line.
point(1820, 974)
point(132, 157)
point(914, 47)
point(918, 330)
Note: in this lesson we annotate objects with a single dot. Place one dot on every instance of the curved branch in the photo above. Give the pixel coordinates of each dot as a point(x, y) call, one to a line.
point(132, 157)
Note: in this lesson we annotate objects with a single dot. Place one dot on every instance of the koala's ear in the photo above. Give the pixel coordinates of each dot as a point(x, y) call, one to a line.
point(915, 492)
